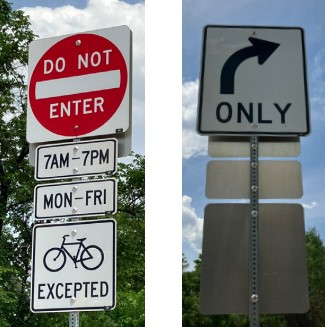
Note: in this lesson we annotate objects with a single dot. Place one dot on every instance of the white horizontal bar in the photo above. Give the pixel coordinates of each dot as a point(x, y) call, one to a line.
point(78, 84)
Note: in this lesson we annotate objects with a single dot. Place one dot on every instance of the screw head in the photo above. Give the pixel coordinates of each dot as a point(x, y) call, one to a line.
point(75, 170)
point(254, 213)
point(76, 148)
point(78, 42)
point(74, 210)
point(254, 298)
point(74, 232)
point(75, 188)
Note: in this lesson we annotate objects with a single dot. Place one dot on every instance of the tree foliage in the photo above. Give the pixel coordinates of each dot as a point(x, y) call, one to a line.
point(16, 202)
point(16, 183)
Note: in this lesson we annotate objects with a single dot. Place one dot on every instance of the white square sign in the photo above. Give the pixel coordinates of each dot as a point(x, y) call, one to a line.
point(79, 85)
point(253, 81)
point(74, 266)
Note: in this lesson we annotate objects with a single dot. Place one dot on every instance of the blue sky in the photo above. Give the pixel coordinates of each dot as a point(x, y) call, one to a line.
point(298, 13)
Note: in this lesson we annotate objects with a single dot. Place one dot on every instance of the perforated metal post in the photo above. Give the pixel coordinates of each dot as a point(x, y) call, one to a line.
point(254, 316)
point(74, 319)
point(74, 316)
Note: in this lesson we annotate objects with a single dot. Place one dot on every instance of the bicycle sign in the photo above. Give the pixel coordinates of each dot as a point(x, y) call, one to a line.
point(74, 266)
point(90, 257)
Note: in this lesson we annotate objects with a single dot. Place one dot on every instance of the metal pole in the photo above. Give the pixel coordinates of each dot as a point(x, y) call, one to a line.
point(74, 319)
point(254, 314)
point(74, 316)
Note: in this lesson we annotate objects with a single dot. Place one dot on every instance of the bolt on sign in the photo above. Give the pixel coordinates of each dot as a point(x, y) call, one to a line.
point(253, 81)
point(79, 85)
point(74, 266)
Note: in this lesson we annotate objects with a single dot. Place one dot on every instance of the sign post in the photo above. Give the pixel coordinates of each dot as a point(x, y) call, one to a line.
point(250, 87)
point(79, 87)
point(254, 311)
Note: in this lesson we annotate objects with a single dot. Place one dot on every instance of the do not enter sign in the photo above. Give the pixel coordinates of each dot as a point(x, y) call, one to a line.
point(79, 85)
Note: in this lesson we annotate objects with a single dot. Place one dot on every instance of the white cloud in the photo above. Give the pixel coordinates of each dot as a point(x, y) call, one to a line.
point(190, 93)
point(192, 225)
point(193, 144)
point(49, 22)
point(312, 205)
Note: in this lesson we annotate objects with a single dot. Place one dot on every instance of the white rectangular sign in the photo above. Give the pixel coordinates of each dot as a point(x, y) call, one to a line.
point(66, 160)
point(253, 81)
point(75, 199)
point(74, 266)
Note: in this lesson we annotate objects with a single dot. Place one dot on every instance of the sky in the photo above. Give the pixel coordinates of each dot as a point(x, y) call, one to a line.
point(153, 134)
point(295, 13)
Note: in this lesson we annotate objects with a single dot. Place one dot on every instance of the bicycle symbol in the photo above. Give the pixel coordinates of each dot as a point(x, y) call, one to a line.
point(91, 257)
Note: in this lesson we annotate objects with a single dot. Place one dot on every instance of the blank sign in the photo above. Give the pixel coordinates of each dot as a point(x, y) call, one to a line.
point(282, 273)
point(230, 179)
point(239, 146)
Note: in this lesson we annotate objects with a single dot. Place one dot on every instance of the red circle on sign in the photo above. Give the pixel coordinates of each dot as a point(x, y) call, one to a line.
point(78, 85)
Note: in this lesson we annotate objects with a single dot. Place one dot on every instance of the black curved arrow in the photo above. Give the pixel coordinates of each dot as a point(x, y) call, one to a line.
point(260, 48)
